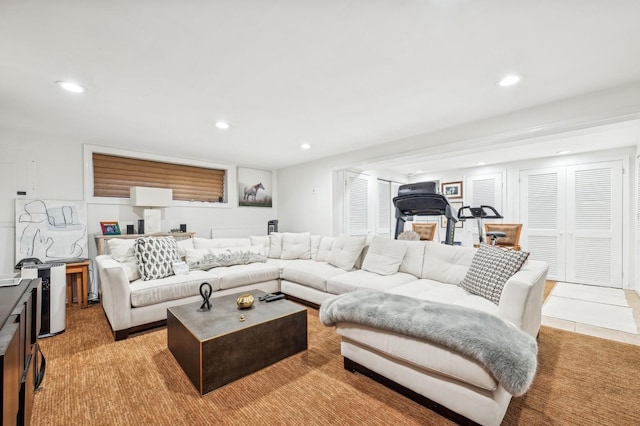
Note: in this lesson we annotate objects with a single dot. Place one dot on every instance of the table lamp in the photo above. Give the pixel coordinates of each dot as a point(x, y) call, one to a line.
point(142, 196)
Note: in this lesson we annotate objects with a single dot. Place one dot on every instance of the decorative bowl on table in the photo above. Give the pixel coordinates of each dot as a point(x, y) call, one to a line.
point(245, 301)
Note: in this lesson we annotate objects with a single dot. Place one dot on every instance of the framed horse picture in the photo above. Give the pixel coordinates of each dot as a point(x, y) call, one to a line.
point(254, 187)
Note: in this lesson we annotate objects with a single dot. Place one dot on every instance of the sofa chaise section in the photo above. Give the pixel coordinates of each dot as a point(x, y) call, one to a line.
point(452, 383)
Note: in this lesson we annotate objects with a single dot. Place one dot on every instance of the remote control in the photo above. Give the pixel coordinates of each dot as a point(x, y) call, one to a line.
point(274, 297)
point(265, 296)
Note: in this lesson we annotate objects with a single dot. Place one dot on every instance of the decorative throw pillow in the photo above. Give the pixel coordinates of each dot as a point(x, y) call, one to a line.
point(212, 258)
point(345, 251)
point(490, 269)
point(324, 249)
point(195, 258)
point(122, 251)
point(412, 261)
point(155, 256)
point(315, 245)
point(296, 245)
point(263, 241)
point(217, 243)
point(183, 246)
point(275, 245)
point(384, 256)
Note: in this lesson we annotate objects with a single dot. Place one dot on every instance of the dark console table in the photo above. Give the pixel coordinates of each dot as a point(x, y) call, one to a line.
point(21, 368)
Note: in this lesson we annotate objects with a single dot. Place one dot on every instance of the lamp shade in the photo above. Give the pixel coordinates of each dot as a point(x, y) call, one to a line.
point(143, 196)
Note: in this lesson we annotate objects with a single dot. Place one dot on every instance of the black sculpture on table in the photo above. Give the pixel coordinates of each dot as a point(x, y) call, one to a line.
point(205, 292)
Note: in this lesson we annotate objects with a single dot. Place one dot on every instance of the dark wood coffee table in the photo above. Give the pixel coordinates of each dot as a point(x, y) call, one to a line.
point(215, 348)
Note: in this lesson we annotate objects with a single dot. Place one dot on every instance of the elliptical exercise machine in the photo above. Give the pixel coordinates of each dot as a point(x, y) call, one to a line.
point(480, 213)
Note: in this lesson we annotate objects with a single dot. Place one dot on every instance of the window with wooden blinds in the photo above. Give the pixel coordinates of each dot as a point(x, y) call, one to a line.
point(114, 175)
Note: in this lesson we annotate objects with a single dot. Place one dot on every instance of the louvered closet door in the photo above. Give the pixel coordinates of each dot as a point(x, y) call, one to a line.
point(483, 190)
point(594, 224)
point(357, 204)
point(542, 209)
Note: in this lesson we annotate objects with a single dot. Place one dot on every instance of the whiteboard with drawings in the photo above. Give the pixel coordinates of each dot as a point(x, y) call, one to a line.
point(51, 229)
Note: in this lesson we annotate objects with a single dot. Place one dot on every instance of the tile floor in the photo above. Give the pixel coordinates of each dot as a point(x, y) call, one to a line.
point(634, 302)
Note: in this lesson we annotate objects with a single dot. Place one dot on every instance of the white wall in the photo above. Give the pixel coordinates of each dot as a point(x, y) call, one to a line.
point(52, 168)
point(308, 200)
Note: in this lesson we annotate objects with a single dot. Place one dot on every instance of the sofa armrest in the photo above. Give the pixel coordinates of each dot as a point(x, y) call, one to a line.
point(116, 294)
point(521, 299)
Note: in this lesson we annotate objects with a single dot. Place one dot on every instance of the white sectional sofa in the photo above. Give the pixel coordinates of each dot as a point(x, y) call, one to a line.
point(314, 268)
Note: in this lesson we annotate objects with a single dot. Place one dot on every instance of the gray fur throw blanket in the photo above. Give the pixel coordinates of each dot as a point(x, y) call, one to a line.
point(508, 353)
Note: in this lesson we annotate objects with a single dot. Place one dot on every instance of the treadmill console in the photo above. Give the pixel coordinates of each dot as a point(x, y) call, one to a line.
point(418, 188)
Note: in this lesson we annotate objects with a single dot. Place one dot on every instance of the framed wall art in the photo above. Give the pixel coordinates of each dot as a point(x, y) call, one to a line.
point(51, 229)
point(254, 187)
point(452, 189)
point(110, 228)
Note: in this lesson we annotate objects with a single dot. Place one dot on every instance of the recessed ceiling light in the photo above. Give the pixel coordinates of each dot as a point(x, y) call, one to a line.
point(482, 163)
point(509, 80)
point(223, 125)
point(305, 146)
point(71, 87)
point(418, 172)
point(563, 152)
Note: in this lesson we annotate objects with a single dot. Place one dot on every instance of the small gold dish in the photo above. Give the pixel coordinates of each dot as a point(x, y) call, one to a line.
point(245, 301)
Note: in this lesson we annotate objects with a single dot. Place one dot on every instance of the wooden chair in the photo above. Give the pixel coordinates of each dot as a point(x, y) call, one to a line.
point(426, 230)
point(512, 240)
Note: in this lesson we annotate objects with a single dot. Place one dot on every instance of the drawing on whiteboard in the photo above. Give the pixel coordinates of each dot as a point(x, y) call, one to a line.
point(51, 230)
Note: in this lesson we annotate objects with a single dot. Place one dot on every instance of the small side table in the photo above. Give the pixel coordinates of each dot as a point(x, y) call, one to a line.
point(81, 272)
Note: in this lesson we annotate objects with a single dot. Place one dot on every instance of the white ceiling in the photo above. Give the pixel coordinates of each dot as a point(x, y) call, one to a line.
point(340, 75)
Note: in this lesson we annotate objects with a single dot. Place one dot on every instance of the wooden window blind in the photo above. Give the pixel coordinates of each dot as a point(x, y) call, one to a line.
point(113, 176)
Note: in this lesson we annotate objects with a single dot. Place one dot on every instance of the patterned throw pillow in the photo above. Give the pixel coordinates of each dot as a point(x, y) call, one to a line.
point(155, 256)
point(206, 259)
point(490, 269)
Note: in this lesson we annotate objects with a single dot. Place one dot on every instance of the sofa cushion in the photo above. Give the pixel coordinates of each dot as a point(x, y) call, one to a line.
point(315, 245)
point(201, 243)
point(309, 273)
point(445, 263)
point(240, 275)
point(420, 353)
point(296, 245)
point(324, 249)
point(275, 245)
point(413, 259)
point(263, 241)
point(384, 256)
point(490, 269)
point(356, 280)
point(155, 256)
point(345, 251)
point(184, 245)
point(214, 258)
point(452, 294)
point(175, 287)
point(122, 251)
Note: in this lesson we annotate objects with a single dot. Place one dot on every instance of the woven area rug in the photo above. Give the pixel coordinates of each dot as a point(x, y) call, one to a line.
point(92, 380)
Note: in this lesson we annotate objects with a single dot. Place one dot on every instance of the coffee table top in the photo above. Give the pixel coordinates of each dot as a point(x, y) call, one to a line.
point(224, 315)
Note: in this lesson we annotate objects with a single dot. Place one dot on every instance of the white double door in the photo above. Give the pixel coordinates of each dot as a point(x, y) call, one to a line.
point(572, 219)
